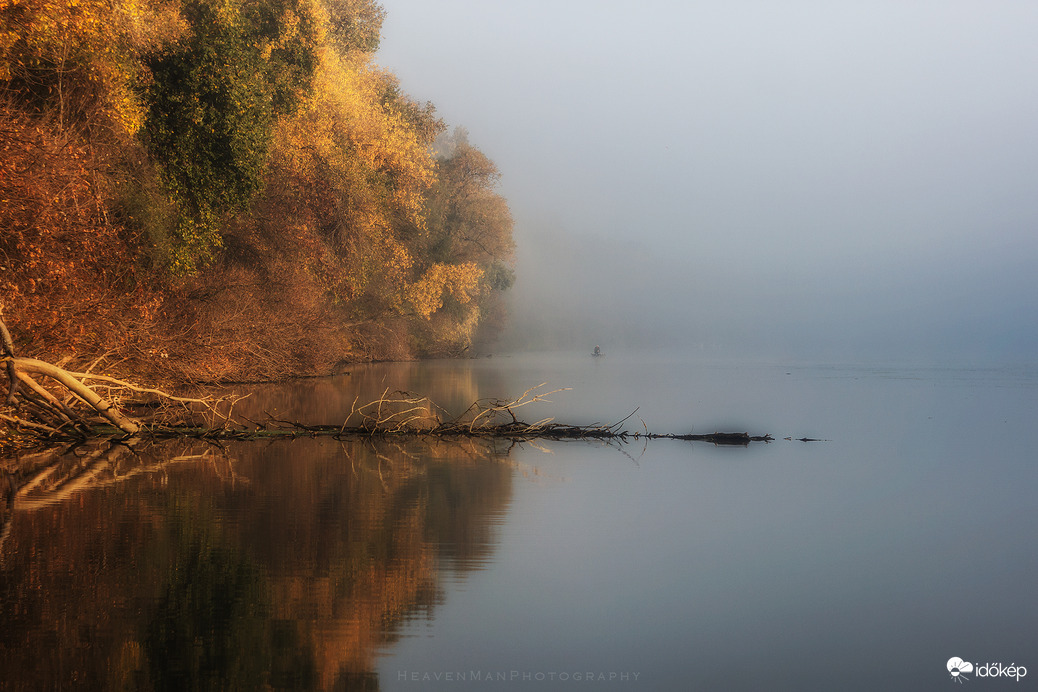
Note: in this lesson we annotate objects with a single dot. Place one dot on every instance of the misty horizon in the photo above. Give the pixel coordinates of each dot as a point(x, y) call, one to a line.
point(797, 180)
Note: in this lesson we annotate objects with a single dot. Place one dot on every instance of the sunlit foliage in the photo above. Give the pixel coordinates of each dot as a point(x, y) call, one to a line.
point(366, 162)
point(69, 280)
point(83, 59)
point(241, 173)
point(468, 225)
point(467, 218)
point(457, 281)
point(355, 25)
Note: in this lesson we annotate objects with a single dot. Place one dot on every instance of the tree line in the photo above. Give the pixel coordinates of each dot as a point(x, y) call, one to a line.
point(233, 190)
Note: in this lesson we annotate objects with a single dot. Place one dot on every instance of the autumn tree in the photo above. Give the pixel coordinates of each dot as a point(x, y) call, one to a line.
point(213, 105)
point(70, 73)
point(82, 60)
point(468, 220)
point(466, 246)
point(242, 167)
point(355, 25)
point(366, 168)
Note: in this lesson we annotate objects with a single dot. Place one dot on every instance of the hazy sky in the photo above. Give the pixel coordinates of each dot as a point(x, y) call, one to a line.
point(786, 176)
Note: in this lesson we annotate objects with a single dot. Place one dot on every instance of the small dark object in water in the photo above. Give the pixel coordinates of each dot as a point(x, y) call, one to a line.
point(597, 351)
point(723, 438)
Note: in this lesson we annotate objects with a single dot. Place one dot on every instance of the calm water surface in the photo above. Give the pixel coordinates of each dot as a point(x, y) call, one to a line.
point(865, 561)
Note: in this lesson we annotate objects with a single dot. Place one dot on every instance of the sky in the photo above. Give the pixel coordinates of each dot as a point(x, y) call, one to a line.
point(790, 178)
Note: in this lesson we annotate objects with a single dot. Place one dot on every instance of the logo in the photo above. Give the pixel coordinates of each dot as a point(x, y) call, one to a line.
point(957, 668)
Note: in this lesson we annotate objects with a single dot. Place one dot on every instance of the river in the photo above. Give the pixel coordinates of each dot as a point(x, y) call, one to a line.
point(903, 538)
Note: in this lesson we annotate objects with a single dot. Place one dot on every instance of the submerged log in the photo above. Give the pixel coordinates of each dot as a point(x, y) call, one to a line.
point(726, 438)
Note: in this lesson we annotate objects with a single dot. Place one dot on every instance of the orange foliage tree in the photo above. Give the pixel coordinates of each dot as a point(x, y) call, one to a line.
point(69, 274)
point(468, 228)
point(367, 168)
point(235, 184)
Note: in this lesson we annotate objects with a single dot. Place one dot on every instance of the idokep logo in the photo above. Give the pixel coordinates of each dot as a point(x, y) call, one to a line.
point(957, 668)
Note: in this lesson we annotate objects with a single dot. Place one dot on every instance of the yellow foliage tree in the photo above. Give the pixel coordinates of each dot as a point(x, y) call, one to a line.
point(458, 281)
point(257, 134)
point(355, 149)
point(77, 54)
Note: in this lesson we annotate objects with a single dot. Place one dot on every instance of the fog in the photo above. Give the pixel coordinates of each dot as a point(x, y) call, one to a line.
point(790, 179)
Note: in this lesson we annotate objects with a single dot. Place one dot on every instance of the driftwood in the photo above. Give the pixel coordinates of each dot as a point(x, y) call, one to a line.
point(726, 438)
point(7, 351)
point(77, 411)
point(63, 405)
point(404, 414)
point(75, 386)
point(73, 408)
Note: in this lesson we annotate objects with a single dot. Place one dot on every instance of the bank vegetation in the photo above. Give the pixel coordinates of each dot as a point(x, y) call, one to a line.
point(199, 191)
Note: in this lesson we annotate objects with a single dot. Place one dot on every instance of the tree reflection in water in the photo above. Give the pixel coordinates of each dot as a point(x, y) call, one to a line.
point(284, 565)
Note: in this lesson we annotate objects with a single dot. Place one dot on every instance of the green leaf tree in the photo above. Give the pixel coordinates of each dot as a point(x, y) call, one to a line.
point(213, 104)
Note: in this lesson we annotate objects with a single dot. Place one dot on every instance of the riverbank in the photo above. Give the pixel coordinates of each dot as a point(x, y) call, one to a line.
point(208, 192)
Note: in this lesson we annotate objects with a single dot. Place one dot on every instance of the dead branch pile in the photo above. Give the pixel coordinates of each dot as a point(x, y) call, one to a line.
point(402, 413)
point(49, 404)
point(52, 404)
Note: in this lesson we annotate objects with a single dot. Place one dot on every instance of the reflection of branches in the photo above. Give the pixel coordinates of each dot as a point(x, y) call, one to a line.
point(391, 465)
point(56, 475)
point(61, 473)
point(54, 484)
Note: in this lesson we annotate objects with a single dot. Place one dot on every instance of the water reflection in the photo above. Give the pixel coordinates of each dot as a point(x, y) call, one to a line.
point(287, 564)
point(453, 385)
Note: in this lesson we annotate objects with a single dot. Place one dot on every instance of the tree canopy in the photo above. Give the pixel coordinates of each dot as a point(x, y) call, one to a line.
point(249, 157)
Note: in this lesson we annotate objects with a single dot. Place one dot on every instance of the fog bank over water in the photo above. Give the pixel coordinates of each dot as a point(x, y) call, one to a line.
point(803, 179)
point(574, 292)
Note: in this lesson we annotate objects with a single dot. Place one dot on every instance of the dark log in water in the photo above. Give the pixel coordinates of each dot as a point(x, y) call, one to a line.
point(726, 438)
point(518, 431)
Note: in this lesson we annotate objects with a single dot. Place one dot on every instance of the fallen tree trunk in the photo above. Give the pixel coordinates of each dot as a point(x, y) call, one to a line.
point(7, 351)
point(69, 408)
point(78, 412)
point(419, 417)
point(517, 431)
point(75, 386)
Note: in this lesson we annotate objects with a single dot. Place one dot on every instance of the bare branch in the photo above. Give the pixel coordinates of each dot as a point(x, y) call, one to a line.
point(75, 386)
